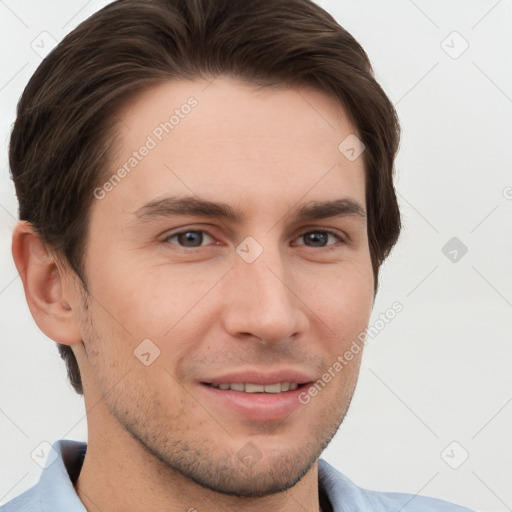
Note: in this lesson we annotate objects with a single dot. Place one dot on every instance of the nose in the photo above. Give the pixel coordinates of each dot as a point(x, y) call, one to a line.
point(260, 300)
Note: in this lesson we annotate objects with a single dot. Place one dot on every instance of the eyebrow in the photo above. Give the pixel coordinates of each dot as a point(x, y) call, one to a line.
point(170, 206)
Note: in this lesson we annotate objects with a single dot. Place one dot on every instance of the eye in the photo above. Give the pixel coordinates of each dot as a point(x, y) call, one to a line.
point(189, 238)
point(319, 238)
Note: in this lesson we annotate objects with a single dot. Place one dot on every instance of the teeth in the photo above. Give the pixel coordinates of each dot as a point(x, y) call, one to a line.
point(254, 388)
point(273, 388)
point(258, 388)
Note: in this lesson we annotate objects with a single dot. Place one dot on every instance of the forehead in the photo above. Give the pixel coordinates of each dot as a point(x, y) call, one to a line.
point(231, 141)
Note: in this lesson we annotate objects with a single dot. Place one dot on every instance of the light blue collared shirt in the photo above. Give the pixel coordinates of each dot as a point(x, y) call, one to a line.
point(55, 492)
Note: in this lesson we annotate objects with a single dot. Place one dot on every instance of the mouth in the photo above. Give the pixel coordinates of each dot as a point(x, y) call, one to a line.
point(248, 387)
point(257, 396)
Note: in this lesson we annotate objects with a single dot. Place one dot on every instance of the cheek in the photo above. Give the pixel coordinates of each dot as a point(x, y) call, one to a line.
point(143, 301)
point(167, 306)
point(340, 295)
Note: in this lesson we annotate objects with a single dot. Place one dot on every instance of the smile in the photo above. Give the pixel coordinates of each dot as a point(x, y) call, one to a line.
point(248, 387)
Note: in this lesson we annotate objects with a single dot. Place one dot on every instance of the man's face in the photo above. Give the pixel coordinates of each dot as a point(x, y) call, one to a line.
point(261, 297)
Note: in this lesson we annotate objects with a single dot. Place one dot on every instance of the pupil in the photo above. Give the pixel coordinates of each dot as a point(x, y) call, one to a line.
point(191, 238)
point(317, 239)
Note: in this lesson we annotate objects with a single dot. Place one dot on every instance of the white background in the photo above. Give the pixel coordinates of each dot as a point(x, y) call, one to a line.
point(440, 371)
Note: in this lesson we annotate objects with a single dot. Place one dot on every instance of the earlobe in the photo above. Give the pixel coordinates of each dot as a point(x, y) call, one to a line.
point(43, 282)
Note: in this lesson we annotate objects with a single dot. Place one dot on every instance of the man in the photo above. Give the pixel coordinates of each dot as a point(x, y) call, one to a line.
point(206, 197)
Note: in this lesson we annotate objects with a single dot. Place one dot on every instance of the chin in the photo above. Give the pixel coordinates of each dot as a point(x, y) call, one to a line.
point(263, 478)
point(266, 473)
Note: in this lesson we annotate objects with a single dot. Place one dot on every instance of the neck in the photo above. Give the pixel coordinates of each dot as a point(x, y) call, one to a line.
point(118, 473)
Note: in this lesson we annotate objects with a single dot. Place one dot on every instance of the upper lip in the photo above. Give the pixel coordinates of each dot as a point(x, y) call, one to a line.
point(260, 377)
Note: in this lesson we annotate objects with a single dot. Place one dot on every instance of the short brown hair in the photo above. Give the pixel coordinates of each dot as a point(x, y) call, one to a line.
point(59, 148)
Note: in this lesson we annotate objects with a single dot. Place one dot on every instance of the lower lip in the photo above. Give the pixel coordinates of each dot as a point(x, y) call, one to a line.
point(257, 406)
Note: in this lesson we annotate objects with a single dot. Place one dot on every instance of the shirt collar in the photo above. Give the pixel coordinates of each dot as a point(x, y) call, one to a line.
point(56, 491)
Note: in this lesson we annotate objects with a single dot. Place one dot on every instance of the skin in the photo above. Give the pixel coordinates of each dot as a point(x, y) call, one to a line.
point(153, 430)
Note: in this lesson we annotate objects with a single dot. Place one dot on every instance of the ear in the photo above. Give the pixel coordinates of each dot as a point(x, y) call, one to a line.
point(46, 286)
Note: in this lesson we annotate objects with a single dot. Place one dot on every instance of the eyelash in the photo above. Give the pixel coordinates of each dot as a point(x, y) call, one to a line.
point(323, 231)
